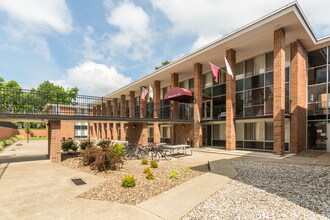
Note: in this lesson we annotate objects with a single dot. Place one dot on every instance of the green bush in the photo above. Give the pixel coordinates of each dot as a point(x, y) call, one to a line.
point(153, 164)
point(187, 170)
point(85, 144)
point(173, 174)
point(8, 142)
point(119, 149)
point(69, 145)
point(144, 161)
point(2, 144)
point(150, 175)
point(146, 170)
point(128, 181)
point(104, 144)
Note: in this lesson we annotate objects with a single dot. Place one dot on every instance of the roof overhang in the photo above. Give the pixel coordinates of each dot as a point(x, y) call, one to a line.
point(248, 41)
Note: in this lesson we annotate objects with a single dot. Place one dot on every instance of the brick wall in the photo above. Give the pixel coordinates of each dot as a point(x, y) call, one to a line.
point(184, 132)
point(138, 133)
point(156, 100)
point(7, 132)
point(54, 141)
point(298, 93)
point(132, 104)
point(279, 92)
point(67, 129)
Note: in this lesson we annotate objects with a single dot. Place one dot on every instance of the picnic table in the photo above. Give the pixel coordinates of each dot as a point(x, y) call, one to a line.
point(179, 149)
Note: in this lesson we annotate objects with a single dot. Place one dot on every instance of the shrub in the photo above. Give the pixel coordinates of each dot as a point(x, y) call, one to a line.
point(146, 170)
point(104, 144)
point(153, 164)
point(2, 145)
point(119, 149)
point(187, 170)
point(128, 181)
point(69, 145)
point(144, 161)
point(85, 144)
point(8, 142)
point(173, 174)
point(150, 175)
point(89, 155)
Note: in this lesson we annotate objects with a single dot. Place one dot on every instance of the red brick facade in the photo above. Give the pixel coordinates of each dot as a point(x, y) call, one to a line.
point(298, 96)
point(231, 101)
point(132, 104)
point(54, 141)
point(279, 92)
point(156, 99)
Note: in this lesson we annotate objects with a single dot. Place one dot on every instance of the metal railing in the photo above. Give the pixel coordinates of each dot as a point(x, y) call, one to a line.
point(32, 102)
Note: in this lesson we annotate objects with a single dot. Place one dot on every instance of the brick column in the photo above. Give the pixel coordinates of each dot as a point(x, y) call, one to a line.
point(131, 104)
point(156, 132)
point(122, 132)
point(298, 95)
point(156, 99)
point(109, 108)
point(54, 137)
point(279, 92)
point(231, 102)
point(143, 106)
point(114, 131)
point(123, 106)
point(104, 109)
point(198, 70)
point(98, 110)
point(94, 111)
point(144, 135)
point(115, 107)
point(175, 104)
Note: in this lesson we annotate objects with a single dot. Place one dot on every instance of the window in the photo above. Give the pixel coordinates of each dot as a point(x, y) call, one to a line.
point(239, 104)
point(269, 98)
point(269, 134)
point(317, 58)
point(240, 71)
point(81, 129)
point(207, 109)
point(164, 91)
point(254, 97)
point(240, 131)
point(269, 78)
point(270, 61)
point(191, 84)
point(222, 76)
point(317, 75)
point(207, 80)
point(219, 106)
point(165, 131)
point(239, 85)
point(219, 90)
point(317, 93)
point(249, 67)
point(254, 82)
point(259, 64)
point(254, 131)
point(219, 132)
point(287, 56)
point(150, 131)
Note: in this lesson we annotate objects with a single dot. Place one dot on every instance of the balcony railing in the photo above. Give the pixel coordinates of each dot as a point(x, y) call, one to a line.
point(31, 102)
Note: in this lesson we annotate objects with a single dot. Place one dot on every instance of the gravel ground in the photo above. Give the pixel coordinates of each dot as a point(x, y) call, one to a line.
point(111, 190)
point(270, 191)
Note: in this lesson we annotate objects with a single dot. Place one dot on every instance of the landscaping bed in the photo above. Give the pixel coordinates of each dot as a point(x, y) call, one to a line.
point(112, 189)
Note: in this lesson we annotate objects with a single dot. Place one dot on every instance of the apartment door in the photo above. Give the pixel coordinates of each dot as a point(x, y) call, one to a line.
point(204, 131)
point(207, 135)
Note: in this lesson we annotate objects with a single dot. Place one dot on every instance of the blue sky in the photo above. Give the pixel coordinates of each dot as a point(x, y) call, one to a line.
point(100, 46)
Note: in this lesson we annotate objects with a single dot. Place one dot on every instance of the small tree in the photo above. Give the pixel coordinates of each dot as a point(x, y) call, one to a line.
point(27, 129)
point(166, 62)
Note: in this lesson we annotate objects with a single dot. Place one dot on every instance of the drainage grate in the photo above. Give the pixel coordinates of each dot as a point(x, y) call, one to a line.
point(78, 181)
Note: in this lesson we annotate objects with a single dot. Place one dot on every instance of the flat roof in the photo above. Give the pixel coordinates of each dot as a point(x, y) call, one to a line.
point(249, 41)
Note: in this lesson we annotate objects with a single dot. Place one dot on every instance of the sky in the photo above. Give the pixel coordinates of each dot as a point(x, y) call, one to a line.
point(100, 46)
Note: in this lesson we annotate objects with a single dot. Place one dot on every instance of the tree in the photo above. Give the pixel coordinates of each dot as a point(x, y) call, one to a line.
point(166, 62)
point(11, 97)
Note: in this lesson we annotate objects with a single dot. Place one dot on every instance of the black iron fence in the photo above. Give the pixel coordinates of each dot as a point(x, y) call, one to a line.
point(32, 102)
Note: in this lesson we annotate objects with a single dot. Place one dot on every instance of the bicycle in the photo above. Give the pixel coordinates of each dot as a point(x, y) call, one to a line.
point(160, 152)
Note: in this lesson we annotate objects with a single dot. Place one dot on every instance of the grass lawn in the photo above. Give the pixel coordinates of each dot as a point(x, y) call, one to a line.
point(36, 138)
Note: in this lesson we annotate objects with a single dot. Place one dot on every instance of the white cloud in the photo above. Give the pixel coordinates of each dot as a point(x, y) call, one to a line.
point(90, 46)
point(39, 15)
point(93, 79)
point(207, 19)
point(134, 37)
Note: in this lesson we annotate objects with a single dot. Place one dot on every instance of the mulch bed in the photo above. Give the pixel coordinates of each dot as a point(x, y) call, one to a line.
point(111, 189)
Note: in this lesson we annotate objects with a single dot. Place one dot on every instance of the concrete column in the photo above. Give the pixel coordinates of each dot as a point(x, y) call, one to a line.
point(231, 101)
point(198, 70)
point(279, 92)
point(114, 131)
point(122, 132)
point(175, 104)
point(54, 137)
point(156, 99)
point(298, 95)
point(123, 106)
point(115, 107)
point(143, 106)
point(132, 104)
point(156, 132)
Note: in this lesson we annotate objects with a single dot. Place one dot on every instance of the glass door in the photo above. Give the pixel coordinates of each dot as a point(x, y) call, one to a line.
point(207, 109)
point(204, 134)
